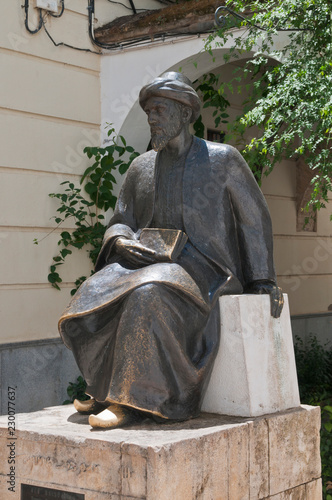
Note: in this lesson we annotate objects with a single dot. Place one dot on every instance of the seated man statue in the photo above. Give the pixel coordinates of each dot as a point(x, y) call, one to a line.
point(190, 224)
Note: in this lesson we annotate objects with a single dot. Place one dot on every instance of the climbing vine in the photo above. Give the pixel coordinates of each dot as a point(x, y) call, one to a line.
point(86, 204)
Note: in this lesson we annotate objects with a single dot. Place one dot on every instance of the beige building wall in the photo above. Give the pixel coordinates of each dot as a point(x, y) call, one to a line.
point(303, 259)
point(49, 111)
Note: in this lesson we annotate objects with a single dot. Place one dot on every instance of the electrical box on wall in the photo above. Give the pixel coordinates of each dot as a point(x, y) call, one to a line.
point(51, 5)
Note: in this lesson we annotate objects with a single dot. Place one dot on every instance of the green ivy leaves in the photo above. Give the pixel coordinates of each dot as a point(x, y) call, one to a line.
point(86, 205)
point(76, 390)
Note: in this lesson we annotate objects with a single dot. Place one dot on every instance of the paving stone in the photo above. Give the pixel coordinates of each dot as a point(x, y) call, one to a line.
point(259, 458)
point(133, 471)
point(196, 468)
point(298, 493)
point(308, 491)
point(314, 490)
point(294, 448)
point(213, 457)
point(238, 463)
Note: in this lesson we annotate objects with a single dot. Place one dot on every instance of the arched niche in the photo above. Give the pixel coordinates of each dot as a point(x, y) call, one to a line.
point(124, 73)
point(135, 127)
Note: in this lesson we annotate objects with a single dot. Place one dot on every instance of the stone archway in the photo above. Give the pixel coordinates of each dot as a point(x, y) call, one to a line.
point(135, 128)
point(124, 73)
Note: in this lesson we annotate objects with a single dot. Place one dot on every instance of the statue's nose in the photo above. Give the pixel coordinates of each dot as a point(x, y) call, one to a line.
point(151, 118)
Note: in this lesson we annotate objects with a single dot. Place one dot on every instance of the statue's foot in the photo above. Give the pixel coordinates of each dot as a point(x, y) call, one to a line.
point(113, 416)
point(89, 406)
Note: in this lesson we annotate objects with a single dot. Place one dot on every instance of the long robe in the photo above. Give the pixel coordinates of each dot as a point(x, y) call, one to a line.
point(146, 337)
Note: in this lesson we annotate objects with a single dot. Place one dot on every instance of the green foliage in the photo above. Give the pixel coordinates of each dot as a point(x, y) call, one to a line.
point(291, 102)
point(76, 390)
point(86, 206)
point(212, 91)
point(314, 370)
point(326, 449)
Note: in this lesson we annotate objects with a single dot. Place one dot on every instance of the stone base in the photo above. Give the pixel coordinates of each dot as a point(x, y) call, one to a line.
point(254, 372)
point(213, 457)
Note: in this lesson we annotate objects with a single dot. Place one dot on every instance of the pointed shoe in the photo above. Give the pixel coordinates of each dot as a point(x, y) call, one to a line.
point(89, 406)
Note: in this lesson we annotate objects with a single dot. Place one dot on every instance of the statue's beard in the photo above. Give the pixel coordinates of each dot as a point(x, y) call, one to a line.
point(160, 137)
point(159, 141)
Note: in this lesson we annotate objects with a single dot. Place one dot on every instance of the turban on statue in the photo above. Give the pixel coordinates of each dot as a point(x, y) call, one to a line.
point(173, 86)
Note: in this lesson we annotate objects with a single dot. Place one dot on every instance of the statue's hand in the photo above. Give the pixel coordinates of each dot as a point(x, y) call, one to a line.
point(135, 252)
point(276, 297)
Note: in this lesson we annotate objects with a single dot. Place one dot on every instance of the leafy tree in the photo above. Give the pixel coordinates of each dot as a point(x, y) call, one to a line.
point(212, 98)
point(291, 102)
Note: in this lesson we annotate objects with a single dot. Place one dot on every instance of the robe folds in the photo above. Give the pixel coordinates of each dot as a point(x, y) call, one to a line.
point(146, 336)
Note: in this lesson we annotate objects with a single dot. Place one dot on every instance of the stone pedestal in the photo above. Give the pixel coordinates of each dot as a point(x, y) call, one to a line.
point(255, 371)
point(213, 457)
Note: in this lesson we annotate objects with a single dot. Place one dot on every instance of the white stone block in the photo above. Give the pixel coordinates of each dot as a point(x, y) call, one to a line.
point(254, 372)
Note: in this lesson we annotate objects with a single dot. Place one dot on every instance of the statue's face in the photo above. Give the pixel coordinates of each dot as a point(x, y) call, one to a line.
point(165, 120)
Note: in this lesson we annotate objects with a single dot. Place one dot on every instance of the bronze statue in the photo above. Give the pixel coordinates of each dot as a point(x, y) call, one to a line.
point(190, 224)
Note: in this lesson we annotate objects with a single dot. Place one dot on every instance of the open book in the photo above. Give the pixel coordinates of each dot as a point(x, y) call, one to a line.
point(167, 242)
